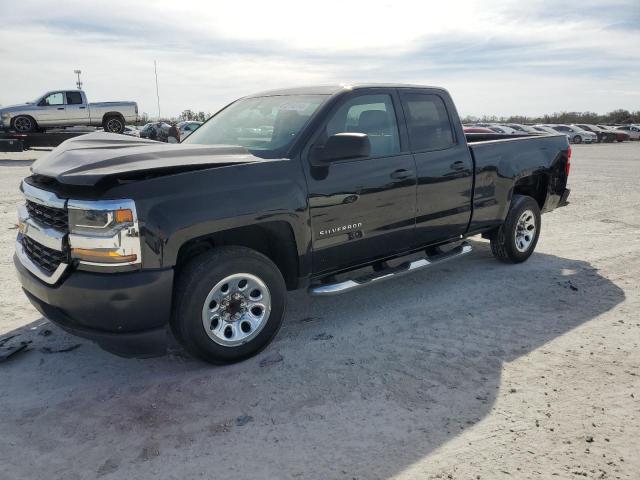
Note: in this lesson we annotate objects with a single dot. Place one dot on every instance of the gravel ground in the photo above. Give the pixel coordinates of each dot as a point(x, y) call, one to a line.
point(474, 369)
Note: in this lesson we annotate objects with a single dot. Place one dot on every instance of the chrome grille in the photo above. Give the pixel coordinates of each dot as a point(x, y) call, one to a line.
point(46, 258)
point(48, 216)
point(42, 245)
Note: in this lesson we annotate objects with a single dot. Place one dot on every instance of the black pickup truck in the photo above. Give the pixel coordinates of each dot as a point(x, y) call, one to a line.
point(126, 241)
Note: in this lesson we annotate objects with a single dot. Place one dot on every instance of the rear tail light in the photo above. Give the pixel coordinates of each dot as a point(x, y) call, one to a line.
point(567, 166)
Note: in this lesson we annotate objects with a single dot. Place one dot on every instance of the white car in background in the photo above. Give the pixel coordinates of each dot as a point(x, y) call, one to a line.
point(521, 128)
point(632, 130)
point(131, 131)
point(187, 128)
point(575, 134)
point(504, 129)
point(546, 129)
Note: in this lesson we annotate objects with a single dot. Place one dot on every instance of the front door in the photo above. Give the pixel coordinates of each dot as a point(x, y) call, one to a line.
point(52, 110)
point(363, 209)
point(444, 167)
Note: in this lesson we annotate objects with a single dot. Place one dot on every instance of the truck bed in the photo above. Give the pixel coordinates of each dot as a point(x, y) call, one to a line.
point(499, 164)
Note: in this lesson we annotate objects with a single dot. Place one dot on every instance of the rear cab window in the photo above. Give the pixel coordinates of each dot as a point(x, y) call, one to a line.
point(74, 98)
point(428, 122)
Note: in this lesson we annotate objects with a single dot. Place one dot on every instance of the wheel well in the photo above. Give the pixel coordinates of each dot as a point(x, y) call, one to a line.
point(534, 186)
point(112, 114)
point(275, 240)
point(35, 122)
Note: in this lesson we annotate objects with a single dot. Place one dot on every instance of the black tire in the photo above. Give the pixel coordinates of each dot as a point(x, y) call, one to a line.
point(24, 124)
point(577, 139)
point(503, 240)
point(193, 285)
point(113, 124)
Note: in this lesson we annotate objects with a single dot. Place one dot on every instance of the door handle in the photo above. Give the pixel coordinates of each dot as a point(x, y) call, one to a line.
point(400, 174)
point(60, 108)
point(458, 165)
point(82, 108)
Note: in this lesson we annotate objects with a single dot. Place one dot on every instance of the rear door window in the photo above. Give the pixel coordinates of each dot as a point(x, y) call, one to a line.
point(74, 98)
point(427, 121)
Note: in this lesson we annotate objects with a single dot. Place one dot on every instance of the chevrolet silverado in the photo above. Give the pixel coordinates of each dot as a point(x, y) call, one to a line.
point(126, 241)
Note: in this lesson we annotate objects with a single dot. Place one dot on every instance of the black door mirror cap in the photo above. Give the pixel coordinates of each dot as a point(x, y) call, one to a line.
point(344, 146)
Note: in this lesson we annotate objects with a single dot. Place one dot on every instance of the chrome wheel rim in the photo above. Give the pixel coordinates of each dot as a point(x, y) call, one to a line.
point(525, 231)
point(23, 124)
point(114, 125)
point(236, 309)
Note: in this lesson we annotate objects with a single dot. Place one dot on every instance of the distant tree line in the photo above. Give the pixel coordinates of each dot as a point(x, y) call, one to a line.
point(190, 115)
point(619, 116)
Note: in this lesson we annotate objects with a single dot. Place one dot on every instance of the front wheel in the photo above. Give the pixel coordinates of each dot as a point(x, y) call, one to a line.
point(516, 239)
point(24, 124)
point(577, 139)
point(229, 304)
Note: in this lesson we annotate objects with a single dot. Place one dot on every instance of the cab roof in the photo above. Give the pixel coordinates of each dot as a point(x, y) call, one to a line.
point(335, 89)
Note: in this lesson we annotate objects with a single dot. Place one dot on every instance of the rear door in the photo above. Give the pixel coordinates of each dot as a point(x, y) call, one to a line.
point(443, 164)
point(363, 209)
point(77, 111)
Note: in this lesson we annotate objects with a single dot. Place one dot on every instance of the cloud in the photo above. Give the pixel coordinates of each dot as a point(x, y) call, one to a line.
point(495, 58)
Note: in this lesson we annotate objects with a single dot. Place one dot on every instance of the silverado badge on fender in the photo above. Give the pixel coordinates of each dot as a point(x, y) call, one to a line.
point(343, 228)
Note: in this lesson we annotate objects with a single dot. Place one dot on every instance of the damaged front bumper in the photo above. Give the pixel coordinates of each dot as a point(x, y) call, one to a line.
point(124, 313)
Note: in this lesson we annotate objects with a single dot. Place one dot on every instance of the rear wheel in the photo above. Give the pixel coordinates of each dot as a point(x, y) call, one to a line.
point(229, 304)
point(113, 124)
point(516, 239)
point(24, 124)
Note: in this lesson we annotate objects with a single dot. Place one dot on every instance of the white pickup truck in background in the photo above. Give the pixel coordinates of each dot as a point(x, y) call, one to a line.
point(65, 108)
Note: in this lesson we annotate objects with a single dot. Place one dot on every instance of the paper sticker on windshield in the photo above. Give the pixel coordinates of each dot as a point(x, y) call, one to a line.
point(295, 106)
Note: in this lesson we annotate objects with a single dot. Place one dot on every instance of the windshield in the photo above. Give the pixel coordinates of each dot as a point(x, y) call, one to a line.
point(266, 126)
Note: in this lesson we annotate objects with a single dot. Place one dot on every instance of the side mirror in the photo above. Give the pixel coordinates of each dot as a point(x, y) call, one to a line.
point(343, 146)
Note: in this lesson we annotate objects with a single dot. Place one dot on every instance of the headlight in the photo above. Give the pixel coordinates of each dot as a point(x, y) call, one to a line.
point(5, 115)
point(104, 233)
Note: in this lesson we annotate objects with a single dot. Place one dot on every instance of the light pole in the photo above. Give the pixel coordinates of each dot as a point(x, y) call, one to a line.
point(155, 69)
point(78, 82)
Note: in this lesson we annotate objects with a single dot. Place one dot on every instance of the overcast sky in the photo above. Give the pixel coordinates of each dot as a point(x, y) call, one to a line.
point(495, 57)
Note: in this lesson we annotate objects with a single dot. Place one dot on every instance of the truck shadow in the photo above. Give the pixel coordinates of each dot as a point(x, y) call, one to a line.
point(357, 386)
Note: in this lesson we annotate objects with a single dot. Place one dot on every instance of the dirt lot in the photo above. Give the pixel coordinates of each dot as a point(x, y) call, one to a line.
point(474, 369)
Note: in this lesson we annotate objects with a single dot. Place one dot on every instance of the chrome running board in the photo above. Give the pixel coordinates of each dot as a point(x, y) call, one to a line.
point(391, 272)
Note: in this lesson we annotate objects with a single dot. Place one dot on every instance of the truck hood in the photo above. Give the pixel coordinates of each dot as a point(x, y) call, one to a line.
point(17, 108)
point(87, 159)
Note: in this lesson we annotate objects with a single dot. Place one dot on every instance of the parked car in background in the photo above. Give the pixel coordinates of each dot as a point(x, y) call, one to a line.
point(65, 108)
point(621, 135)
point(632, 130)
point(474, 129)
point(522, 128)
point(548, 130)
point(503, 129)
point(601, 134)
point(156, 131)
point(187, 128)
point(131, 130)
point(575, 134)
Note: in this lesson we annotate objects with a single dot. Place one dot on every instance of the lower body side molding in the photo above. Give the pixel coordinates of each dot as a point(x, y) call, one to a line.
point(391, 272)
